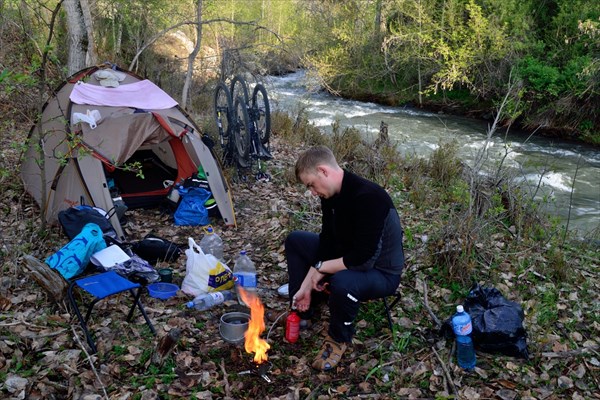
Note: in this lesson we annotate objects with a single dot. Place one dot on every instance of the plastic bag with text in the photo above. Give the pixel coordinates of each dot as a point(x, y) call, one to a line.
point(204, 273)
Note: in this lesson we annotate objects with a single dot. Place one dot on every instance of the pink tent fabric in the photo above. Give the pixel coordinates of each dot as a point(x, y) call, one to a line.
point(143, 94)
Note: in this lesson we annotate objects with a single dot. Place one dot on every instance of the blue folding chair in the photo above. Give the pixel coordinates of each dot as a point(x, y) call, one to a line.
point(101, 286)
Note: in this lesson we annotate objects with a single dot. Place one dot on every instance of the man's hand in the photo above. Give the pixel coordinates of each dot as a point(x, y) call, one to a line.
point(301, 299)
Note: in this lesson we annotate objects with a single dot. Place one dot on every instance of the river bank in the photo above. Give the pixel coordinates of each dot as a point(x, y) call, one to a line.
point(471, 107)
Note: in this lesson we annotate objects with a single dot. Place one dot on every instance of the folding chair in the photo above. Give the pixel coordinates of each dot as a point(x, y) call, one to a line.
point(388, 307)
point(101, 286)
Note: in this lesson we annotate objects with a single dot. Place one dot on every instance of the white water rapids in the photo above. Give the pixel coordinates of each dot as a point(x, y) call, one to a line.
point(543, 162)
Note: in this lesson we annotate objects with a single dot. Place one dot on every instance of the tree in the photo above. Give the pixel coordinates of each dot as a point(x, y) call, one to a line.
point(76, 39)
point(192, 57)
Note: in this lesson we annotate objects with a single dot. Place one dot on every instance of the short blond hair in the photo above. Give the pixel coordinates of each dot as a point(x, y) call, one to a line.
point(313, 157)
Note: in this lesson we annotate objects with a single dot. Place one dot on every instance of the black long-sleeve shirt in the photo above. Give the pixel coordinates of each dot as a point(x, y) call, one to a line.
point(361, 225)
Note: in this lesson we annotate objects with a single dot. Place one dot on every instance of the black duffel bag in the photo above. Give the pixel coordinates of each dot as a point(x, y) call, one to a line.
point(497, 323)
point(153, 249)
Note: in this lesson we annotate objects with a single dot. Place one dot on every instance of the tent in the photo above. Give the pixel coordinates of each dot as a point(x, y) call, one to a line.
point(98, 125)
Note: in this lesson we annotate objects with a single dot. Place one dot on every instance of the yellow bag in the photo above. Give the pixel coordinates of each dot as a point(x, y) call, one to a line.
point(204, 272)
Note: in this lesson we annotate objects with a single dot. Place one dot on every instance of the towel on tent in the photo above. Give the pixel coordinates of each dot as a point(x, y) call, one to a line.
point(143, 94)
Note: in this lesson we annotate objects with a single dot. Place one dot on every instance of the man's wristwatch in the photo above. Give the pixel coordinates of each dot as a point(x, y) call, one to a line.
point(318, 265)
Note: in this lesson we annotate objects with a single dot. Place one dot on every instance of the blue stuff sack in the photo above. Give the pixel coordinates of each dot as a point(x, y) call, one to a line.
point(73, 258)
point(191, 210)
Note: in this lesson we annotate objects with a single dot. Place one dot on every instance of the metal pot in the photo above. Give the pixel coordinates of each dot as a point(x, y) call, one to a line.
point(233, 326)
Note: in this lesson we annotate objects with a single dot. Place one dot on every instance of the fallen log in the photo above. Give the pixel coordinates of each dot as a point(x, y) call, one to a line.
point(47, 278)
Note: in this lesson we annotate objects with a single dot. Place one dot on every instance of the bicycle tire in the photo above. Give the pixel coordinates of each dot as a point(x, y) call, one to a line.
point(239, 87)
point(261, 114)
point(223, 104)
point(242, 131)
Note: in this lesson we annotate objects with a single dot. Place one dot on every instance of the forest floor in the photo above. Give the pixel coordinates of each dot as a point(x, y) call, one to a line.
point(42, 355)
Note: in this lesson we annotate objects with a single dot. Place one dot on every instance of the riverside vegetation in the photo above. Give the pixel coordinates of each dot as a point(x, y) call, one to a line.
point(461, 56)
point(460, 228)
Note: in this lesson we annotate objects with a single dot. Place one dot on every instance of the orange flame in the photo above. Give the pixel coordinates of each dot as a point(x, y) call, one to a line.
point(253, 342)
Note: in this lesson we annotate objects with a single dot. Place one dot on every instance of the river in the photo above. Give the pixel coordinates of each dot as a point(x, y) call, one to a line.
point(541, 162)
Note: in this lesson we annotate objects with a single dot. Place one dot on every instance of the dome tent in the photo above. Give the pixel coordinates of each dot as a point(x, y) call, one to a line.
point(91, 131)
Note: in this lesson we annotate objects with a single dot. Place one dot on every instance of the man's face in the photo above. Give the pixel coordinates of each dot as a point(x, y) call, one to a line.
point(318, 182)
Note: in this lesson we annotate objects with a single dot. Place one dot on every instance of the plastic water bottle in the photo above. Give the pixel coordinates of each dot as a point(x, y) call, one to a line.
point(244, 273)
point(292, 327)
point(208, 300)
point(465, 352)
point(211, 243)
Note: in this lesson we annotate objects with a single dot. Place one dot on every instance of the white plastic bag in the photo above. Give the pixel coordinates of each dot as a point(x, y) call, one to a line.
point(204, 273)
point(90, 117)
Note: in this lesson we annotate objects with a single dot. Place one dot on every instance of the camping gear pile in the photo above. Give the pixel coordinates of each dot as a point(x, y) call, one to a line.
point(108, 141)
point(112, 139)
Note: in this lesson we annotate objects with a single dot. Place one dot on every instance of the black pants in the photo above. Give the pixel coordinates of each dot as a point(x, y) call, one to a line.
point(347, 288)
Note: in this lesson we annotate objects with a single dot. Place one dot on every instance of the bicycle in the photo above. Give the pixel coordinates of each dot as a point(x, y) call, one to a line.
point(223, 115)
point(244, 127)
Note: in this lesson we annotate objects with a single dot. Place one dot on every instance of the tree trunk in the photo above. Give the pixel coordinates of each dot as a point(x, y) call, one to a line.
point(91, 56)
point(377, 27)
point(76, 36)
point(192, 57)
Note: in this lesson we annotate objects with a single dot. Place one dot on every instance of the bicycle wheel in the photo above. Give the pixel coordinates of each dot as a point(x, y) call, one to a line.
point(242, 131)
point(223, 112)
point(261, 113)
point(239, 87)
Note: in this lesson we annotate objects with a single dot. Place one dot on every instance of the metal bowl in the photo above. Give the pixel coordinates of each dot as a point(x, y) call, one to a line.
point(233, 326)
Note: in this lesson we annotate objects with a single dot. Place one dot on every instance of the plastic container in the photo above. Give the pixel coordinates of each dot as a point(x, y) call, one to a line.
point(208, 300)
point(292, 327)
point(211, 243)
point(465, 351)
point(166, 275)
point(244, 274)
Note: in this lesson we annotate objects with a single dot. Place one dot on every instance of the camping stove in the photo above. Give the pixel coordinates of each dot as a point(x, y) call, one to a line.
point(259, 369)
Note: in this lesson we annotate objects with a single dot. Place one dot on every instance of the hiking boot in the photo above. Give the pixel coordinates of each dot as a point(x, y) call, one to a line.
point(330, 354)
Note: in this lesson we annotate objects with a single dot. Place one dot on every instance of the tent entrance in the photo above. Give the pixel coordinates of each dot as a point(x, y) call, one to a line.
point(146, 192)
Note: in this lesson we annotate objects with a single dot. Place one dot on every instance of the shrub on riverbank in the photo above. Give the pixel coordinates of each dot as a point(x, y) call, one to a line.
point(478, 214)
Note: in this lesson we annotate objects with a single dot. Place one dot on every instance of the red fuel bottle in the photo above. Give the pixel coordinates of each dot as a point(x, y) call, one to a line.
point(292, 327)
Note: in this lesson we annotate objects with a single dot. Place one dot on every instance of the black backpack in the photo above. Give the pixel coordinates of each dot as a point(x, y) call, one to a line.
point(73, 219)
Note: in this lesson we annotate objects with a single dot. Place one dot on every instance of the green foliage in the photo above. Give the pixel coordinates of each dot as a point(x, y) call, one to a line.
point(556, 266)
point(444, 165)
point(547, 312)
point(462, 51)
point(543, 79)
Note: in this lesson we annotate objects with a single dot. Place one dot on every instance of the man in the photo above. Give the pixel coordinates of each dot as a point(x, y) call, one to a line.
point(358, 255)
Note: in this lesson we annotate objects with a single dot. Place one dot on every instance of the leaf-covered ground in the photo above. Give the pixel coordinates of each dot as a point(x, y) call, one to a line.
point(42, 355)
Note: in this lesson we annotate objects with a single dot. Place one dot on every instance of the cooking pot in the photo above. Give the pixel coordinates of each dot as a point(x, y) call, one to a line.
point(233, 326)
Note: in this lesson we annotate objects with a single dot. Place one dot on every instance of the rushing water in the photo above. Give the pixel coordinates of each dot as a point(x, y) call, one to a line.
point(542, 162)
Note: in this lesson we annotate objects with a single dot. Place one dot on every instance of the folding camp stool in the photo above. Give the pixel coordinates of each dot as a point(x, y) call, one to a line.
point(388, 307)
point(101, 286)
